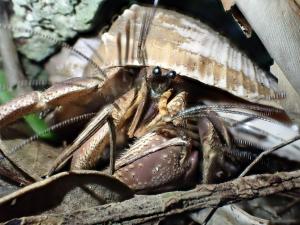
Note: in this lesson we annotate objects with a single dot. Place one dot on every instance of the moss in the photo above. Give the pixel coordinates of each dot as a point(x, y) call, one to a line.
point(60, 20)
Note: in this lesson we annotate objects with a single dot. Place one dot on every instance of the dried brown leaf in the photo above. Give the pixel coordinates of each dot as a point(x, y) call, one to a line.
point(36, 157)
point(63, 193)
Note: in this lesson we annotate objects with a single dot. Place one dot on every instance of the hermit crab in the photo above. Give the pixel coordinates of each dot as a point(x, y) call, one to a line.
point(173, 98)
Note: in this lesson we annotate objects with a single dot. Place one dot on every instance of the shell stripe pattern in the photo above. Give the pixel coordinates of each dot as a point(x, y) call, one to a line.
point(188, 46)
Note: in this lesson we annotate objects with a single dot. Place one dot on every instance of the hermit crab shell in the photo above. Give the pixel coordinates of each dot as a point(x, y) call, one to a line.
point(188, 46)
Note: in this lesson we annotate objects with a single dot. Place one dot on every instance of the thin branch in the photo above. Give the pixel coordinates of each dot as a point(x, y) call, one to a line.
point(290, 205)
point(250, 166)
point(267, 152)
point(143, 208)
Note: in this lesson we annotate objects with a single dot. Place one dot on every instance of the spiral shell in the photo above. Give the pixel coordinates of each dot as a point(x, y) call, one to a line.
point(188, 46)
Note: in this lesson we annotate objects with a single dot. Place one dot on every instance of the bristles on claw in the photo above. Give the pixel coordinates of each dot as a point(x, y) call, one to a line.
point(55, 41)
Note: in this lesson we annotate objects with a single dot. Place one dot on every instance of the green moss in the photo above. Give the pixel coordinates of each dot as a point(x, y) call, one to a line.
point(59, 20)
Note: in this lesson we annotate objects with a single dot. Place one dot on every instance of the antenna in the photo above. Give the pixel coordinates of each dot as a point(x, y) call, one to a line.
point(52, 128)
point(145, 28)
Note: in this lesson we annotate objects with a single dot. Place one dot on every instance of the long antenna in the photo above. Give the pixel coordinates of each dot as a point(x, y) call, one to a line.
point(52, 128)
point(145, 28)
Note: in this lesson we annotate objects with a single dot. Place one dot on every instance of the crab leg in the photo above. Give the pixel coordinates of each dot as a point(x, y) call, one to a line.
point(216, 142)
point(93, 127)
point(112, 144)
point(92, 150)
point(56, 95)
point(88, 148)
point(71, 90)
point(141, 100)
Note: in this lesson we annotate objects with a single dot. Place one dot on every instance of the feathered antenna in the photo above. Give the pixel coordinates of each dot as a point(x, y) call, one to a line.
point(203, 111)
point(237, 123)
point(264, 109)
point(52, 128)
point(247, 143)
point(55, 41)
point(145, 28)
point(247, 157)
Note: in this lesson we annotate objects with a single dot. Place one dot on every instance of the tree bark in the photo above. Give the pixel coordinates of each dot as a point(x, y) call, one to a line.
point(144, 208)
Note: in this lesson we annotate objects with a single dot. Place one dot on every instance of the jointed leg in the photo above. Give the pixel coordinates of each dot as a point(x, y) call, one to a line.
point(54, 96)
point(215, 141)
point(90, 145)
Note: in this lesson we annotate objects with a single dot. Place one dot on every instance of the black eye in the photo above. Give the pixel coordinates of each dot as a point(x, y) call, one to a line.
point(156, 71)
point(171, 74)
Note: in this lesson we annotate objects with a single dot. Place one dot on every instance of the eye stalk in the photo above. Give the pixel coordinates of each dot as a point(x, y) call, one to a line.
point(171, 74)
point(156, 71)
point(159, 81)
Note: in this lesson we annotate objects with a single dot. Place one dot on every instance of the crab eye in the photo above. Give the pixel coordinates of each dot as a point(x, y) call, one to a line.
point(156, 71)
point(171, 74)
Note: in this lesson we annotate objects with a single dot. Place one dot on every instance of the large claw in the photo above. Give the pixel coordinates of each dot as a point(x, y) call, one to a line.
point(157, 163)
point(58, 94)
point(75, 90)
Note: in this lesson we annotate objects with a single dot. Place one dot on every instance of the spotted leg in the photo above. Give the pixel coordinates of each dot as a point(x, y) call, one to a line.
point(158, 162)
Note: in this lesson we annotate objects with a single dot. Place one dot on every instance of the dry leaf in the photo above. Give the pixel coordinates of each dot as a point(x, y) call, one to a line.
point(35, 157)
point(62, 193)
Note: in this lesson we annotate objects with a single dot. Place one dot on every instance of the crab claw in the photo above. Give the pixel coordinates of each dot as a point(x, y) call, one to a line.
point(156, 163)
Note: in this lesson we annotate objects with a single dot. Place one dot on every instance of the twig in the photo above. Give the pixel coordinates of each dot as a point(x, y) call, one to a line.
point(143, 208)
point(267, 152)
point(290, 205)
point(250, 166)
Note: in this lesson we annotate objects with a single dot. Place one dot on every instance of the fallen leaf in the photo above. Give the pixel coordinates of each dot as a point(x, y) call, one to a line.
point(36, 157)
point(62, 193)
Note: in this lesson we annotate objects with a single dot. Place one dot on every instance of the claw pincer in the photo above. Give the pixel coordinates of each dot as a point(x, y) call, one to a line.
point(157, 163)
